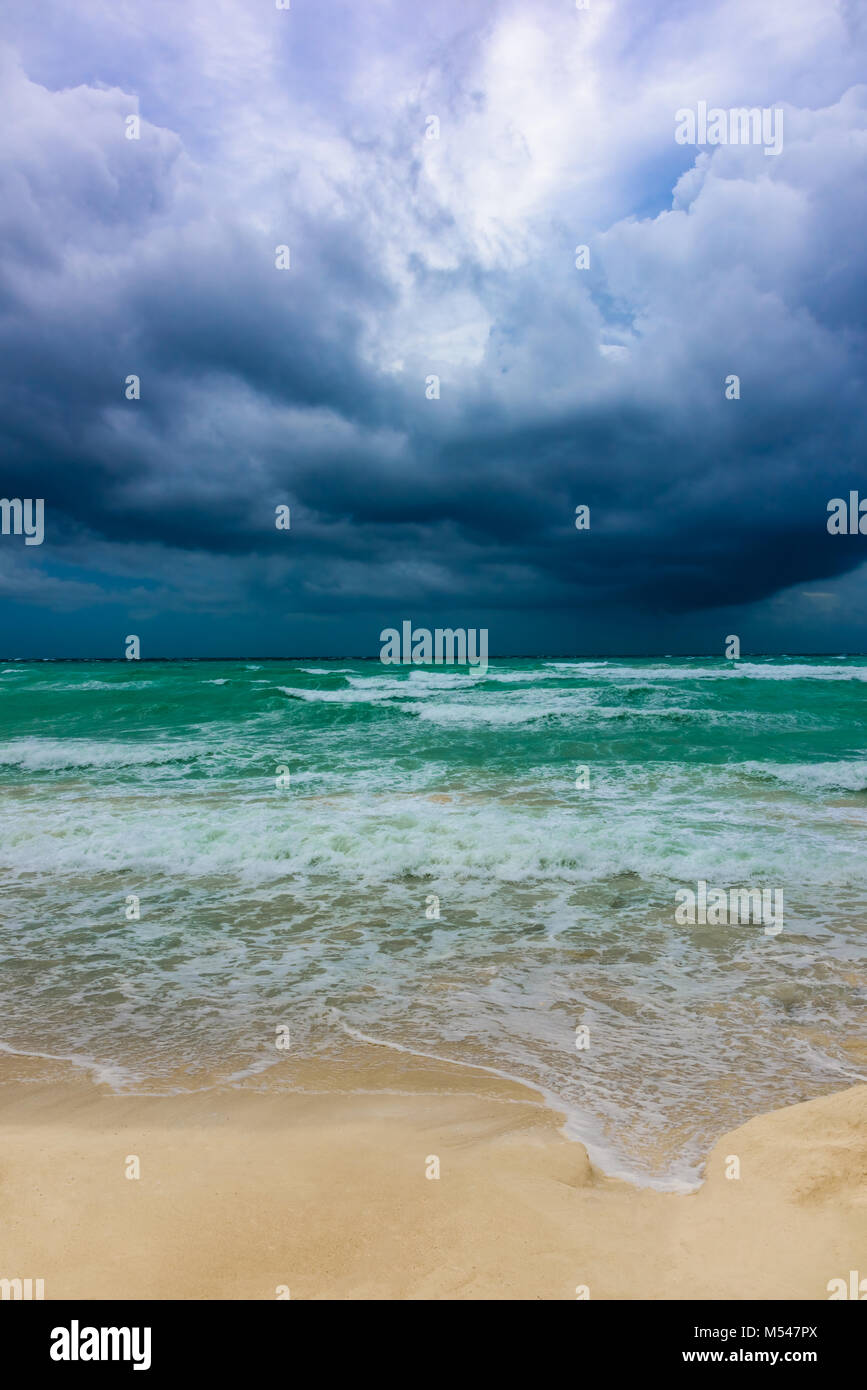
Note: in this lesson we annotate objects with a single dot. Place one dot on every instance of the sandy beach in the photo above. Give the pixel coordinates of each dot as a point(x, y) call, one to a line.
point(324, 1193)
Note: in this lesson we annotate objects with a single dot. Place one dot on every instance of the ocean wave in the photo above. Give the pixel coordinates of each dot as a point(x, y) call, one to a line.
point(795, 672)
point(261, 838)
point(341, 697)
point(522, 677)
point(744, 670)
point(444, 680)
point(485, 713)
point(119, 685)
point(50, 755)
point(577, 665)
point(570, 706)
point(845, 776)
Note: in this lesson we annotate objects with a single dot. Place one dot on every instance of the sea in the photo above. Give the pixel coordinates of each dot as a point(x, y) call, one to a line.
point(475, 866)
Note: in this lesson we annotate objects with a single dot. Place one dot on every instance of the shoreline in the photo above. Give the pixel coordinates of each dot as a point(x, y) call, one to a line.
point(324, 1192)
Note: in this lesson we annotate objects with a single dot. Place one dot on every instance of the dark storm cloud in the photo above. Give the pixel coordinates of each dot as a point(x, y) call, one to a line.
point(410, 258)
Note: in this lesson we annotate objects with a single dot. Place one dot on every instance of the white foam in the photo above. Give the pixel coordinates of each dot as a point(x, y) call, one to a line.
point(338, 697)
point(754, 671)
point(51, 754)
point(103, 1073)
point(745, 670)
point(119, 685)
point(846, 775)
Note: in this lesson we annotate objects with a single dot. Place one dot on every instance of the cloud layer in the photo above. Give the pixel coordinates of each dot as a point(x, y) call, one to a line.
point(413, 257)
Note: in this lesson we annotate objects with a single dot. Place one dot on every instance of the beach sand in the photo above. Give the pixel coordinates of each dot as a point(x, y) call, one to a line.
point(324, 1192)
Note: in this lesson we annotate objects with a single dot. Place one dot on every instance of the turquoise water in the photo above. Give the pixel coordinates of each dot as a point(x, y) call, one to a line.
point(305, 905)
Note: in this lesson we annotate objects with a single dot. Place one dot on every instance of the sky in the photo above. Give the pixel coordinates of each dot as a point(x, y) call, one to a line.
point(412, 258)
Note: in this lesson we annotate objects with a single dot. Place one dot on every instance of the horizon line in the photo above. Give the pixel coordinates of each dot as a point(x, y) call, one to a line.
point(504, 656)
